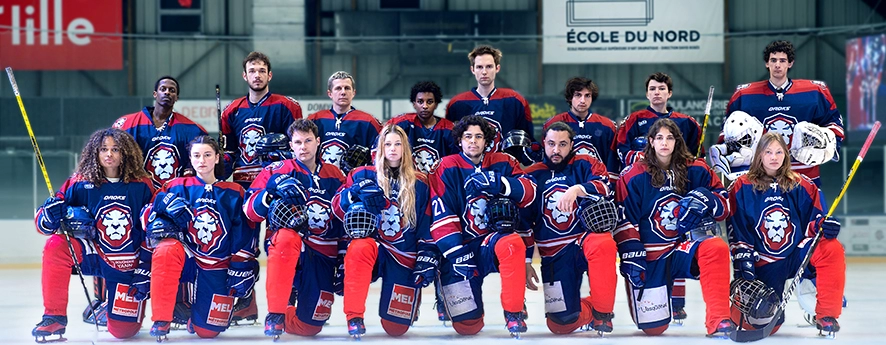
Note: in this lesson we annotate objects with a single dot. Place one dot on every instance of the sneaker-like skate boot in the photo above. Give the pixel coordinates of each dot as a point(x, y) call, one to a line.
point(515, 324)
point(602, 322)
point(50, 325)
point(724, 328)
point(274, 323)
point(827, 326)
point(160, 329)
point(356, 328)
point(245, 310)
point(679, 316)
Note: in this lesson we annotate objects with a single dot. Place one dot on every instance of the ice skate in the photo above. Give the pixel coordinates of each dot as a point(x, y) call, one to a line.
point(97, 311)
point(356, 328)
point(50, 325)
point(160, 329)
point(274, 324)
point(679, 316)
point(515, 324)
point(724, 329)
point(601, 323)
point(245, 310)
point(180, 315)
point(827, 327)
point(442, 315)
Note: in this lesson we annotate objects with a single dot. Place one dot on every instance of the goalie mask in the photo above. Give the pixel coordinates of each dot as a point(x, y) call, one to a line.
point(79, 223)
point(355, 156)
point(161, 227)
point(753, 298)
point(501, 215)
point(359, 222)
point(271, 142)
point(706, 228)
point(742, 130)
point(813, 145)
point(515, 142)
point(598, 214)
point(284, 215)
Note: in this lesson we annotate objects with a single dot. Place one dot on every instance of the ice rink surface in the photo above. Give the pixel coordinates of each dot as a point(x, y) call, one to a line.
point(862, 322)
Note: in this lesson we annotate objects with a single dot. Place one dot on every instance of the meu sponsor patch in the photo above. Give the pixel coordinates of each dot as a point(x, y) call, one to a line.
point(402, 300)
point(324, 306)
point(220, 310)
point(125, 305)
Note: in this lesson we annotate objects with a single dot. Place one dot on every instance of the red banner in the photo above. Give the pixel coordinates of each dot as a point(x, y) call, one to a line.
point(88, 34)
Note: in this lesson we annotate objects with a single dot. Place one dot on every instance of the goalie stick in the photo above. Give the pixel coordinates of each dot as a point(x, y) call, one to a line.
point(743, 336)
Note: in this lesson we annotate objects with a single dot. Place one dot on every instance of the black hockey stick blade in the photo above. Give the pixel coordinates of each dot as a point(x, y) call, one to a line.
point(745, 336)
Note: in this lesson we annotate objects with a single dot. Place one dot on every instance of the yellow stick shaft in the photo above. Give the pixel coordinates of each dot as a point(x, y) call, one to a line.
point(21, 106)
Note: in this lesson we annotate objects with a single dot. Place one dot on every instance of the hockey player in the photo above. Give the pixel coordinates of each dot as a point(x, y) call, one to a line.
point(343, 126)
point(665, 194)
point(429, 136)
point(398, 196)
point(775, 213)
point(594, 133)
point(463, 184)
point(505, 109)
point(567, 249)
point(110, 182)
point(631, 141)
point(795, 108)
point(198, 234)
point(163, 136)
point(308, 255)
point(245, 121)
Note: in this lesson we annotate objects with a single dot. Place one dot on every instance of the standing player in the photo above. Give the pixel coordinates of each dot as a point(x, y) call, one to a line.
point(631, 141)
point(429, 136)
point(794, 108)
point(398, 196)
point(594, 133)
point(343, 126)
point(776, 212)
point(102, 198)
point(505, 109)
point(472, 248)
point(665, 196)
point(567, 249)
point(306, 255)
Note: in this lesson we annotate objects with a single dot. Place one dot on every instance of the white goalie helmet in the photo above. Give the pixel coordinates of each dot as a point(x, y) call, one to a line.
point(812, 144)
point(743, 129)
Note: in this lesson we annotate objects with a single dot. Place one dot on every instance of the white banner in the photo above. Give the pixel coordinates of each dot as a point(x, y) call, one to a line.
point(204, 112)
point(633, 31)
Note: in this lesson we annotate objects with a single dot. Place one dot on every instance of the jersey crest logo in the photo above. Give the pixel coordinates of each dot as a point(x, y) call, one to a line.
point(742, 86)
point(249, 137)
point(820, 84)
point(114, 226)
point(664, 217)
point(318, 215)
point(119, 123)
point(207, 230)
point(474, 214)
point(585, 148)
point(426, 158)
point(496, 144)
point(332, 151)
point(775, 228)
point(391, 222)
point(558, 221)
point(782, 124)
point(162, 162)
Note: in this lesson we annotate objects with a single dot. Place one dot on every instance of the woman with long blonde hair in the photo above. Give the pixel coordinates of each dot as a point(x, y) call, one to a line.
point(394, 199)
point(780, 210)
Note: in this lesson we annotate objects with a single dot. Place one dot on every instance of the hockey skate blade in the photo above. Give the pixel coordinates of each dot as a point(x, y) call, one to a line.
point(60, 339)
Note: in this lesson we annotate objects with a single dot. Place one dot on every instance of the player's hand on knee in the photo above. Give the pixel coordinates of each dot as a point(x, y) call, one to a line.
point(425, 270)
point(140, 285)
point(743, 262)
point(462, 260)
point(53, 211)
point(286, 188)
point(242, 277)
point(370, 194)
point(177, 208)
point(633, 263)
point(830, 227)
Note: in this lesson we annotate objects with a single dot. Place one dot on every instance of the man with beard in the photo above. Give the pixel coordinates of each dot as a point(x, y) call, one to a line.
point(429, 136)
point(243, 123)
point(163, 136)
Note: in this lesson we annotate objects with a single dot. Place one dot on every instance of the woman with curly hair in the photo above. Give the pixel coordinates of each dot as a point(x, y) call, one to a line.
point(98, 208)
point(670, 200)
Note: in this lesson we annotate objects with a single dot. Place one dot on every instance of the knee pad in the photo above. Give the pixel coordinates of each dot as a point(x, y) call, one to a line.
point(286, 239)
point(601, 243)
point(508, 245)
point(365, 246)
point(56, 247)
point(171, 247)
point(468, 327)
point(656, 330)
point(123, 329)
point(394, 329)
point(204, 333)
point(828, 249)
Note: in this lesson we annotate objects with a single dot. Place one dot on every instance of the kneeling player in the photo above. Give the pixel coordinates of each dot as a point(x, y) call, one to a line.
point(663, 193)
point(98, 208)
point(567, 248)
point(780, 212)
point(464, 184)
point(199, 234)
point(385, 209)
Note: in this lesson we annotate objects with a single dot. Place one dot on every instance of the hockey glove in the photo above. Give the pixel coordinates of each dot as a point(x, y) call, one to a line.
point(830, 227)
point(140, 285)
point(488, 182)
point(286, 188)
point(462, 260)
point(175, 207)
point(53, 212)
point(743, 263)
point(242, 277)
point(368, 192)
point(338, 284)
point(425, 269)
point(633, 263)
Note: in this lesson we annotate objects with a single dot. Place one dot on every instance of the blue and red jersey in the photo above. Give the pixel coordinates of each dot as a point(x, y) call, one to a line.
point(504, 108)
point(395, 234)
point(638, 123)
point(165, 149)
point(429, 145)
point(802, 100)
point(595, 136)
point(650, 213)
point(244, 123)
point(338, 132)
point(773, 222)
point(458, 216)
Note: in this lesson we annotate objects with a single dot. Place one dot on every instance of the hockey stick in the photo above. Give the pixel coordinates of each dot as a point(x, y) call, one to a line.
point(704, 125)
point(757, 334)
point(218, 115)
point(21, 106)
